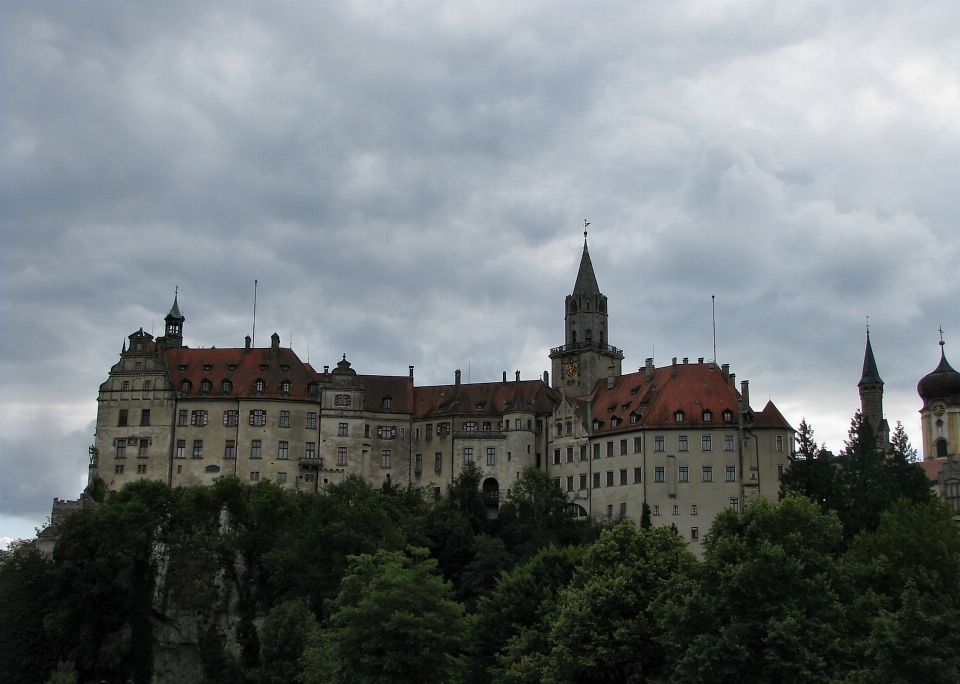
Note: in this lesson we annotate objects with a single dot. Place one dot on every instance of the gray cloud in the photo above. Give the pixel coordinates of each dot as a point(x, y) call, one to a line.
point(406, 181)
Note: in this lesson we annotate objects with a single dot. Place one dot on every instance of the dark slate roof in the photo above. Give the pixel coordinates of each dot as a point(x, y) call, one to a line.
point(870, 372)
point(586, 278)
point(942, 383)
point(175, 310)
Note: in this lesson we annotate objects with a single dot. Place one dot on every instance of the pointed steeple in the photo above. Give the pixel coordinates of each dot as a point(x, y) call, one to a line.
point(173, 335)
point(175, 309)
point(586, 278)
point(870, 373)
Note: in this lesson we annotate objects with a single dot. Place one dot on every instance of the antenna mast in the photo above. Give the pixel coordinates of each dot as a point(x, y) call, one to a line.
point(253, 338)
point(713, 306)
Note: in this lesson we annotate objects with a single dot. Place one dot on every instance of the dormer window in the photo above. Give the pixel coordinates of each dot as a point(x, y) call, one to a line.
point(264, 366)
point(185, 387)
point(634, 418)
point(285, 388)
point(226, 387)
point(727, 416)
point(285, 367)
point(205, 386)
point(232, 366)
point(386, 404)
point(312, 389)
point(259, 387)
point(678, 416)
point(208, 366)
point(597, 424)
point(708, 416)
point(183, 368)
point(615, 421)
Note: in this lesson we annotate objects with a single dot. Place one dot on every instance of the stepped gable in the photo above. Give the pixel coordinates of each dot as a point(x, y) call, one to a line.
point(399, 388)
point(770, 417)
point(659, 400)
point(484, 398)
point(248, 367)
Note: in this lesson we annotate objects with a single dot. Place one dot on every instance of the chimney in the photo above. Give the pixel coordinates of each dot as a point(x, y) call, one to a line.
point(649, 369)
point(456, 376)
point(745, 393)
point(326, 370)
point(274, 347)
point(700, 360)
point(246, 344)
point(733, 380)
point(504, 376)
point(674, 372)
point(725, 371)
point(411, 373)
point(685, 360)
point(610, 379)
point(546, 378)
point(518, 376)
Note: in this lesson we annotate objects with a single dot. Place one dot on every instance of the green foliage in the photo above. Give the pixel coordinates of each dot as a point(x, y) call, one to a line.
point(26, 598)
point(97, 489)
point(536, 514)
point(394, 620)
point(286, 633)
point(812, 472)
point(64, 674)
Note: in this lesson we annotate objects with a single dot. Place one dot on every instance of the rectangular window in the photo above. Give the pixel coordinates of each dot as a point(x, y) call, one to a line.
point(385, 458)
point(623, 510)
point(569, 454)
point(609, 478)
point(438, 463)
point(145, 420)
point(230, 449)
point(735, 504)
point(125, 386)
point(148, 384)
point(198, 418)
point(656, 510)
point(708, 473)
point(443, 429)
point(342, 430)
point(255, 448)
point(779, 472)
point(596, 451)
point(309, 477)
point(519, 424)
point(491, 456)
point(658, 474)
point(198, 448)
point(311, 420)
point(693, 509)
point(609, 510)
point(283, 450)
point(231, 418)
point(182, 418)
point(623, 447)
point(583, 482)
point(676, 509)
point(122, 448)
point(341, 456)
point(138, 365)
point(341, 400)
point(728, 442)
point(623, 476)
point(569, 483)
point(596, 480)
point(258, 417)
point(486, 426)
point(118, 469)
point(281, 477)
point(694, 534)
point(583, 452)
point(418, 464)
point(637, 475)
point(706, 443)
point(429, 430)
point(779, 442)
point(637, 444)
point(682, 443)
point(609, 449)
point(284, 419)
point(181, 448)
point(122, 418)
point(556, 481)
point(556, 457)
point(731, 473)
point(467, 454)
point(386, 432)
point(683, 474)
point(179, 470)
point(470, 426)
point(310, 450)
point(658, 443)
point(254, 475)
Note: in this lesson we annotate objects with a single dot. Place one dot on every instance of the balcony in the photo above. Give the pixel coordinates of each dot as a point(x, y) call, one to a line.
point(590, 344)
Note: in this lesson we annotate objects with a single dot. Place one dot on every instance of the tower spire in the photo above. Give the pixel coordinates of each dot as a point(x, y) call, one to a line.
point(586, 278)
point(870, 373)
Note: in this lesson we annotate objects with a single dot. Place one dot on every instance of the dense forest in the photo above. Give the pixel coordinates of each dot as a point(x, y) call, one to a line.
point(851, 577)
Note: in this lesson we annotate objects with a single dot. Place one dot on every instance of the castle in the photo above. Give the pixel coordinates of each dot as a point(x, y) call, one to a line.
point(681, 438)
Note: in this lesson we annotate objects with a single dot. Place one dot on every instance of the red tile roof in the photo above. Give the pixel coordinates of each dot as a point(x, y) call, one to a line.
point(933, 467)
point(484, 398)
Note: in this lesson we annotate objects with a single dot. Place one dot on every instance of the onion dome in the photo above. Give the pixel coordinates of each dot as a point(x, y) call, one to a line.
point(942, 383)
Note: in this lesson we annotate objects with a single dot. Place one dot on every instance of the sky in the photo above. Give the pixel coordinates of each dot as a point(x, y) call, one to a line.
point(408, 182)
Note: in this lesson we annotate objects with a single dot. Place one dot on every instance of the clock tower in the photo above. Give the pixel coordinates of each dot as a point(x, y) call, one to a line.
point(586, 356)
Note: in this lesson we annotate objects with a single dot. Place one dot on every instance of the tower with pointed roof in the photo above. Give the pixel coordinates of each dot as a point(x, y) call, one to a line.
point(871, 395)
point(940, 415)
point(173, 335)
point(586, 355)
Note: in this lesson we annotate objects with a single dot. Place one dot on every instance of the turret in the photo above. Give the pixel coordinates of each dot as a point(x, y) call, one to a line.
point(173, 334)
point(871, 395)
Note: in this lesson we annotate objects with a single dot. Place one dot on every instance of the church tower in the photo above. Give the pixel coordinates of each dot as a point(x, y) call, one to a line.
point(586, 356)
point(173, 335)
point(871, 395)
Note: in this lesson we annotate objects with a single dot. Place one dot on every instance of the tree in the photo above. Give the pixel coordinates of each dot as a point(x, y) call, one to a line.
point(465, 497)
point(535, 514)
point(812, 472)
point(394, 620)
point(26, 598)
point(604, 628)
point(286, 632)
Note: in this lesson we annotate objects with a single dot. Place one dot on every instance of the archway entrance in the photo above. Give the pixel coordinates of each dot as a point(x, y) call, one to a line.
point(491, 496)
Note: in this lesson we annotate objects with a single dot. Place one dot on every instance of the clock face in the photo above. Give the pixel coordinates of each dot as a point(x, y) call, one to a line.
point(939, 409)
point(572, 369)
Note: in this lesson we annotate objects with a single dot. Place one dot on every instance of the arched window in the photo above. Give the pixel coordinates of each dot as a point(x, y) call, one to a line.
point(226, 387)
point(573, 337)
point(941, 448)
point(573, 306)
point(569, 428)
point(285, 388)
point(602, 306)
point(588, 335)
point(259, 387)
point(559, 430)
point(205, 386)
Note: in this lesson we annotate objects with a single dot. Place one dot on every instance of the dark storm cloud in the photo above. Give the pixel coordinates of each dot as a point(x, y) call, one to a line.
point(406, 181)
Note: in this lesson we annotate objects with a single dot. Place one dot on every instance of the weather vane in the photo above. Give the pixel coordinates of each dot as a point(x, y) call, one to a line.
point(585, 224)
point(868, 326)
point(941, 336)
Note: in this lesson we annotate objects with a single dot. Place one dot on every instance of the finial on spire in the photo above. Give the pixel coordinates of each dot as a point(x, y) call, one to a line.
point(942, 343)
point(585, 224)
point(868, 326)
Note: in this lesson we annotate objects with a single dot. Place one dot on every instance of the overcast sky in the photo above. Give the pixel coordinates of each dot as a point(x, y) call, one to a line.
point(408, 182)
